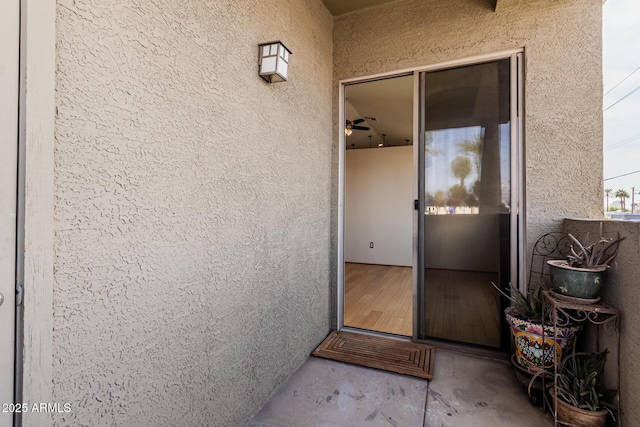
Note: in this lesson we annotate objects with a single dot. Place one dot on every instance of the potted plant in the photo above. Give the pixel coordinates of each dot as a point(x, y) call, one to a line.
point(535, 349)
point(578, 390)
point(582, 274)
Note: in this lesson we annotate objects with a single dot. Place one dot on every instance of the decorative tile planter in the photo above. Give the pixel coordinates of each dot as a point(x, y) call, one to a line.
point(532, 352)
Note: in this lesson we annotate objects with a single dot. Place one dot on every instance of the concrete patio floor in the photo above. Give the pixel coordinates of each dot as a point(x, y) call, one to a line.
point(466, 391)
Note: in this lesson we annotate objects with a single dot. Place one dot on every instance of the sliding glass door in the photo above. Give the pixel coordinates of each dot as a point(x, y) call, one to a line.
point(466, 184)
point(431, 278)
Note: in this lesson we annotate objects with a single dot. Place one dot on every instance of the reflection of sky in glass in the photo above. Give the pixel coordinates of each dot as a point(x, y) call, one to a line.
point(443, 146)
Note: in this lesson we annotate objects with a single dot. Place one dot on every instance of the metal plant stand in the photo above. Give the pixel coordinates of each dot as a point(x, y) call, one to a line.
point(564, 310)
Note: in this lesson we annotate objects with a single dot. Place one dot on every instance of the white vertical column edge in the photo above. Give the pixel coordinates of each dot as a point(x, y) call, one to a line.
point(36, 175)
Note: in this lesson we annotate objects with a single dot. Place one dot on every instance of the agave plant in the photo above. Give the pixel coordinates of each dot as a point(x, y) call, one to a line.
point(579, 381)
point(601, 252)
point(529, 306)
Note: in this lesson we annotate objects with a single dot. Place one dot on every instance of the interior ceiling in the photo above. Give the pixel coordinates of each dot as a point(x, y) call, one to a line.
point(338, 7)
point(455, 98)
point(390, 102)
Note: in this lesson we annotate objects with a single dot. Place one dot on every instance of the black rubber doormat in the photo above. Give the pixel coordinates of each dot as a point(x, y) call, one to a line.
point(377, 352)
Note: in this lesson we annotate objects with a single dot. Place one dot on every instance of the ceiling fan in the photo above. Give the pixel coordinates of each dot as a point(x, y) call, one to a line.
point(352, 125)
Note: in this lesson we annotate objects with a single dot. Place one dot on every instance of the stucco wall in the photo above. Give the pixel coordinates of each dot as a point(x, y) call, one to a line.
point(621, 291)
point(192, 207)
point(563, 82)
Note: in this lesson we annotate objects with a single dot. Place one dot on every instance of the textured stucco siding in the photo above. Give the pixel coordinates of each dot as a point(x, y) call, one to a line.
point(620, 291)
point(192, 207)
point(563, 82)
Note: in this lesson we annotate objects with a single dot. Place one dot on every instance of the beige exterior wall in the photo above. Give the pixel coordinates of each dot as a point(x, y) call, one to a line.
point(620, 291)
point(192, 208)
point(196, 206)
point(563, 82)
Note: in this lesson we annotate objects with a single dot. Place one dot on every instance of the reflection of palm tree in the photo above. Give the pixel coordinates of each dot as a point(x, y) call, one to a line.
point(457, 194)
point(474, 149)
point(461, 168)
point(608, 193)
point(439, 198)
point(622, 195)
point(428, 142)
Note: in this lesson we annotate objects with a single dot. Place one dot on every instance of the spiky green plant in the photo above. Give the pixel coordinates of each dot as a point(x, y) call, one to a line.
point(601, 252)
point(579, 381)
point(529, 306)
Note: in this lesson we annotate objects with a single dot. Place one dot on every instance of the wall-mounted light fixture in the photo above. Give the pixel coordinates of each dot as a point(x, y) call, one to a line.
point(273, 59)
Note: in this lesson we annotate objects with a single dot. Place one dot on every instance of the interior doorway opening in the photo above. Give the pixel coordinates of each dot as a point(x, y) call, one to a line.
point(431, 212)
point(378, 249)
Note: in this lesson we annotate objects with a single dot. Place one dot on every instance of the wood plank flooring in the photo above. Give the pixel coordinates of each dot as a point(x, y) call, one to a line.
point(461, 306)
point(378, 298)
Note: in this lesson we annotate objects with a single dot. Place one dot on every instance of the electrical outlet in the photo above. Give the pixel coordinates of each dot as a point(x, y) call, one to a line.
point(371, 245)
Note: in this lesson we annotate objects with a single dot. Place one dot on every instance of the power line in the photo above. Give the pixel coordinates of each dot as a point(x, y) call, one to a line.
point(620, 176)
point(621, 143)
point(621, 81)
point(623, 98)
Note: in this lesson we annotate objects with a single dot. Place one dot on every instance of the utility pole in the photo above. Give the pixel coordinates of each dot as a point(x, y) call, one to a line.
point(633, 196)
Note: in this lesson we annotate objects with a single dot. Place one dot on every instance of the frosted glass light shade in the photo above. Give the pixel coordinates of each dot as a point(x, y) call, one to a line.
point(273, 61)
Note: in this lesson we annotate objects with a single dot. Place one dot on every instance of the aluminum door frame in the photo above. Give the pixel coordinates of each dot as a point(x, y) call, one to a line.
point(518, 242)
point(517, 238)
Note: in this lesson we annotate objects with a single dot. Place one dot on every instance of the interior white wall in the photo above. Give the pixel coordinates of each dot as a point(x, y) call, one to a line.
point(379, 206)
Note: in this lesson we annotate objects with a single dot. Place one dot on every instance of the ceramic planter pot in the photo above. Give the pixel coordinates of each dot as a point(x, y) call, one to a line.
point(534, 353)
point(576, 282)
point(579, 417)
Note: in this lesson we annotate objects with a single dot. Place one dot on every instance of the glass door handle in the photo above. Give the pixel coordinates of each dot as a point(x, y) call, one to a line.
point(416, 205)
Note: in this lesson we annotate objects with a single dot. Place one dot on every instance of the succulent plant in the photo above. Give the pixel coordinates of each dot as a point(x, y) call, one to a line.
point(529, 306)
point(579, 381)
point(601, 252)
